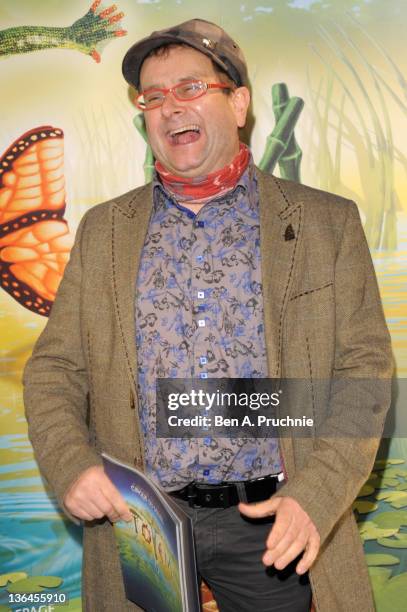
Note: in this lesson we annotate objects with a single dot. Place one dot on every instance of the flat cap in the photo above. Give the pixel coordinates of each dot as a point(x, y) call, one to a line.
point(202, 35)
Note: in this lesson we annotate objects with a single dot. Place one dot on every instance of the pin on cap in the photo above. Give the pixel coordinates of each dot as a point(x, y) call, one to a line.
point(199, 34)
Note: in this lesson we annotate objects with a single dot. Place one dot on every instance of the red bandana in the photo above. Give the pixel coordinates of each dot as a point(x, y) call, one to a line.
point(203, 187)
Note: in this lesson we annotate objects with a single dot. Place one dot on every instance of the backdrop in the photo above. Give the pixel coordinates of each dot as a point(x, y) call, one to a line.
point(330, 102)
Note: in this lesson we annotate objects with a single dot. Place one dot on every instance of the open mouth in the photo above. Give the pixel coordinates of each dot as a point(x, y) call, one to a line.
point(185, 134)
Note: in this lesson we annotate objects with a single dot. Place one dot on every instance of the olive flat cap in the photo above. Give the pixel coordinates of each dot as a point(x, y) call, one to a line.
point(202, 35)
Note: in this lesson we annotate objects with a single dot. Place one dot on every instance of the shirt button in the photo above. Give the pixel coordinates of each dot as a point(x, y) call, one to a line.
point(203, 375)
point(202, 308)
point(201, 323)
point(203, 360)
point(199, 258)
point(199, 224)
point(206, 472)
point(201, 294)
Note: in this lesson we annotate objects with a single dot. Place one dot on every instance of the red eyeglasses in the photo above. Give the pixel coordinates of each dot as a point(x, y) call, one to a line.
point(188, 90)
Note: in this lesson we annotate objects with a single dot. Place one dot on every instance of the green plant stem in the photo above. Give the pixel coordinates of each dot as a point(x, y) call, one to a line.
point(289, 162)
point(276, 142)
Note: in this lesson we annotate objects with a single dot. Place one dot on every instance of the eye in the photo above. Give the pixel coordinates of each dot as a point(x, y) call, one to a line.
point(188, 89)
point(151, 98)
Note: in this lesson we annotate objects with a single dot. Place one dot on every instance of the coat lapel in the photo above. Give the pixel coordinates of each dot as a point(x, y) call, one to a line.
point(280, 233)
point(129, 222)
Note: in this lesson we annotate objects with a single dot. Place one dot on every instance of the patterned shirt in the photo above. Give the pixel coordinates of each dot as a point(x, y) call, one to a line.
point(199, 314)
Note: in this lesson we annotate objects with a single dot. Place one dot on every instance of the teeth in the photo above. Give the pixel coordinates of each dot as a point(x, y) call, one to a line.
point(185, 128)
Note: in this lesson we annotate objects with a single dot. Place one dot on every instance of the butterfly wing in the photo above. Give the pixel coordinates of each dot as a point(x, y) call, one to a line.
point(34, 237)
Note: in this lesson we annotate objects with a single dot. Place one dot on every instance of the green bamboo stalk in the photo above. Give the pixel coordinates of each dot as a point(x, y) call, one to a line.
point(276, 142)
point(148, 165)
point(290, 161)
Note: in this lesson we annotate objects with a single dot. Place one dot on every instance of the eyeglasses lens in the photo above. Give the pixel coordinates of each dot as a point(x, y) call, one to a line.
point(188, 91)
point(183, 91)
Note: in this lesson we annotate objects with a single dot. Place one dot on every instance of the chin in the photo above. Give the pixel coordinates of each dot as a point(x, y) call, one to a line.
point(187, 169)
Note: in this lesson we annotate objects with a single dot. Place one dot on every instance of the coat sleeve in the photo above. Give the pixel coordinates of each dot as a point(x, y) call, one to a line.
point(346, 444)
point(56, 386)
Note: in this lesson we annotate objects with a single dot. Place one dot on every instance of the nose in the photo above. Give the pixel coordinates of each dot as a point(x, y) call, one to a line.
point(171, 105)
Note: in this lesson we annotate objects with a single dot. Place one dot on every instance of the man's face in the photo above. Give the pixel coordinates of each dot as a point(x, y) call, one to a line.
point(214, 118)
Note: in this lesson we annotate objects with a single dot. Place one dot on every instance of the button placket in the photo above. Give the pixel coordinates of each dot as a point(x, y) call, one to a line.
point(198, 293)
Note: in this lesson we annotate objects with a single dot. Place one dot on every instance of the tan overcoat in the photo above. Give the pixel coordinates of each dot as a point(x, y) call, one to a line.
point(323, 318)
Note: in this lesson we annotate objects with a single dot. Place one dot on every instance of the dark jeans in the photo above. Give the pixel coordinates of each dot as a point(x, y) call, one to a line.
point(229, 548)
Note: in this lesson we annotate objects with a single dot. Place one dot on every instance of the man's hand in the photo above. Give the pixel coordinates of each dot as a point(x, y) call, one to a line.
point(292, 532)
point(94, 495)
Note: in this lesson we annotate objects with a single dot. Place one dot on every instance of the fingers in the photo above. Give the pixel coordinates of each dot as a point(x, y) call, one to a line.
point(261, 509)
point(284, 530)
point(282, 535)
point(94, 496)
point(286, 554)
point(119, 508)
point(309, 556)
point(292, 532)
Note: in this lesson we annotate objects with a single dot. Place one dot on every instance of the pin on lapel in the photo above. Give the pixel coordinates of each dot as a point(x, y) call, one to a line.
point(289, 233)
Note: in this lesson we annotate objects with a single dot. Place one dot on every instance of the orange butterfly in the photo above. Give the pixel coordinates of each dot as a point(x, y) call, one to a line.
point(34, 237)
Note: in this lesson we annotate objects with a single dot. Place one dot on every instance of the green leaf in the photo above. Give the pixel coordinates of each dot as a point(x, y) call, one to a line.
point(381, 559)
point(389, 543)
point(383, 572)
point(363, 507)
point(384, 494)
point(393, 472)
point(398, 499)
point(378, 578)
point(399, 503)
point(380, 464)
point(367, 489)
point(392, 519)
point(393, 595)
point(370, 531)
point(12, 577)
point(34, 584)
point(389, 482)
point(402, 486)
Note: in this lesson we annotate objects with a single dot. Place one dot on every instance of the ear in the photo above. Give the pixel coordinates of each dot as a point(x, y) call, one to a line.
point(240, 100)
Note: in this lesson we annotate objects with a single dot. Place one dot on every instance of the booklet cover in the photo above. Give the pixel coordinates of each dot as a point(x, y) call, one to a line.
point(156, 548)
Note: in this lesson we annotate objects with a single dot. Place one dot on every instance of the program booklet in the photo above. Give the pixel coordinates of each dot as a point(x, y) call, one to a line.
point(156, 548)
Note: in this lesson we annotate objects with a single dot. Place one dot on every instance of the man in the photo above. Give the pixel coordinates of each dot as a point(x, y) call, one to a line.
point(214, 270)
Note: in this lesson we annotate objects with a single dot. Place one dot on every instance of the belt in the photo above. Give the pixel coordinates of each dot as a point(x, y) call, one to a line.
point(227, 494)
